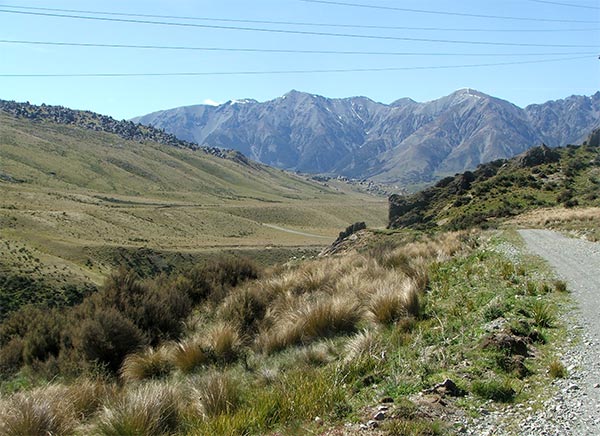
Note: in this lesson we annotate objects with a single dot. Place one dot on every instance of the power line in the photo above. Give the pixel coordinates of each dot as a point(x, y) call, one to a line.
point(298, 32)
point(297, 23)
point(275, 72)
point(565, 4)
point(265, 50)
point(456, 14)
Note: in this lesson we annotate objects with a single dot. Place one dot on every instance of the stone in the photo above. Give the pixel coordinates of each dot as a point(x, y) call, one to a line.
point(372, 424)
point(447, 387)
point(515, 345)
point(379, 416)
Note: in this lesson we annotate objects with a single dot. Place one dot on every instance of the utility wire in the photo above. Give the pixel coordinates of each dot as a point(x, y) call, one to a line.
point(565, 4)
point(456, 14)
point(296, 32)
point(275, 72)
point(266, 50)
point(296, 23)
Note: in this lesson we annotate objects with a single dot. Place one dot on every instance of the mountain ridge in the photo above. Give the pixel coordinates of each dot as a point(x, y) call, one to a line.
point(404, 141)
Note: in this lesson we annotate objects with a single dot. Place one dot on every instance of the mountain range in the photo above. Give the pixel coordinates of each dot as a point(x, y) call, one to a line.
point(403, 142)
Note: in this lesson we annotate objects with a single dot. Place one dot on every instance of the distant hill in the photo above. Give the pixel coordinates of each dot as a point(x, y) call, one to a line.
point(405, 141)
point(540, 177)
point(82, 194)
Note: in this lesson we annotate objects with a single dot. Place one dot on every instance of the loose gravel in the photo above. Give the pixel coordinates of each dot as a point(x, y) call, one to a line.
point(574, 409)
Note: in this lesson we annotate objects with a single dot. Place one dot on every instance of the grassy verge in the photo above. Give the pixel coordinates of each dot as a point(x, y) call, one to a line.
point(320, 346)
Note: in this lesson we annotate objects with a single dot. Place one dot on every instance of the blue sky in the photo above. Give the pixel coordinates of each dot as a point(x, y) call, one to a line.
point(575, 27)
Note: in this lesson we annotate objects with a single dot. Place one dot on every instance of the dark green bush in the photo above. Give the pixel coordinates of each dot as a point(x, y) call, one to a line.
point(11, 357)
point(42, 339)
point(211, 280)
point(106, 337)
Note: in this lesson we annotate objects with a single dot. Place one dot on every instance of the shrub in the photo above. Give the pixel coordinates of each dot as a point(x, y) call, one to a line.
point(212, 279)
point(150, 363)
point(157, 309)
point(494, 390)
point(217, 393)
point(106, 337)
point(148, 410)
point(42, 339)
point(11, 357)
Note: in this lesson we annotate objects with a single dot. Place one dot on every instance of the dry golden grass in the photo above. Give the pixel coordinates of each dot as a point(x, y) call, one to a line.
point(42, 411)
point(224, 342)
point(318, 354)
point(393, 301)
point(189, 354)
point(554, 216)
point(150, 363)
point(582, 221)
point(146, 410)
point(366, 343)
point(305, 323)
point(216, 393)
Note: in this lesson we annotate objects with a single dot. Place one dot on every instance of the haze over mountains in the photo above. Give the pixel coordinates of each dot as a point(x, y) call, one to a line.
point(406, 141)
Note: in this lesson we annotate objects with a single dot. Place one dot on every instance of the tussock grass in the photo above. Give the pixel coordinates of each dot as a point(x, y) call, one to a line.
point(217, 393)
point(390, 302)
point(224, 342)
point(189, 354)
point(146, 410)
point(495, 390)
point(150, 363)
point(43, 411)
point(366, 343)
point(318, 319)
point(318, 354)
point(556, 369)
point(542, 313)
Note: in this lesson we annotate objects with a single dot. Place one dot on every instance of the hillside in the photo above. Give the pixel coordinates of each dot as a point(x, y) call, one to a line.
point(540, 177)
point(78, 200)
point(404, 142)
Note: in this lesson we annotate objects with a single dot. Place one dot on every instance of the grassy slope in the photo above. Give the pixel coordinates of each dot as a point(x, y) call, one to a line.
point(504, 189)
point(90, 200)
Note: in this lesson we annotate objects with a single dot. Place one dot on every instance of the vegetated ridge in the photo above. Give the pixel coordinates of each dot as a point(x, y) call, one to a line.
point(103, 123)
point(404, 142)
point(540, 177)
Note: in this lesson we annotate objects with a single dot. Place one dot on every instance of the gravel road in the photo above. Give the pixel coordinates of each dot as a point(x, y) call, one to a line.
point(575, 409)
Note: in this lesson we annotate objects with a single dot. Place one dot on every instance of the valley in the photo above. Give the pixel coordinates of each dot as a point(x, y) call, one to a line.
point(183, 285)
point(81, 202)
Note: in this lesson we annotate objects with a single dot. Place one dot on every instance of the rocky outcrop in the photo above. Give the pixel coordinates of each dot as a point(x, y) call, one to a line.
point(594, 139)
point(537, 156)
point(127, 130)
